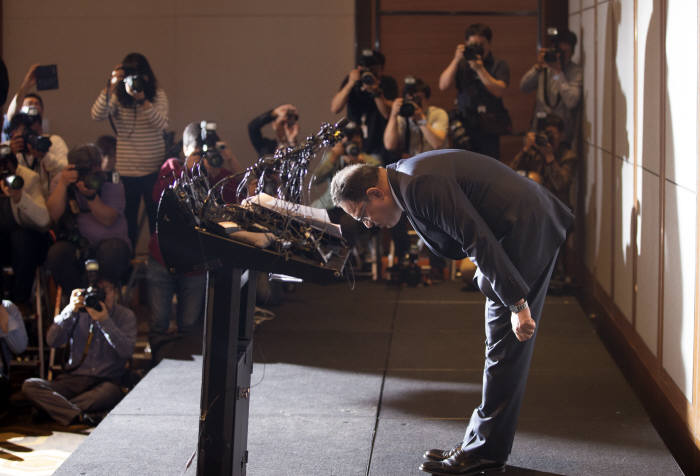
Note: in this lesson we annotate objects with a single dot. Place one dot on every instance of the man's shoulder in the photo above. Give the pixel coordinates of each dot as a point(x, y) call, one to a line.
point(123, 313)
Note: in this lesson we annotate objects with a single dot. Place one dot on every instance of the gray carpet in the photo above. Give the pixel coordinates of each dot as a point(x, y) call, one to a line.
point(362, 382)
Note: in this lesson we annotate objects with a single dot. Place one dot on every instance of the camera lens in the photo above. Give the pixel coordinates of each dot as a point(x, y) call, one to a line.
point(407, 109)
point(15, 182)
point(367, 78)
point(352, 149)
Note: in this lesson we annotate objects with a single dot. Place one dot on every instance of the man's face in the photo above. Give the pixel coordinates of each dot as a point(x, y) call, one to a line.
point(380, 211)
point(110, 293)
point(34, 102)
point(565, 52)
point(481, 40)
point(554, 135)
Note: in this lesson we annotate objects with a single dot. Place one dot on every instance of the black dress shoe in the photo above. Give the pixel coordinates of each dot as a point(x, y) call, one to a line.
point(463, 463)
point(439, 455)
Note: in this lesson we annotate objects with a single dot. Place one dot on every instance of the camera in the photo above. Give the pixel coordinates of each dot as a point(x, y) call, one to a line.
point(366, 77)
point(472, 51)
point(542, 137)
point(352, 149)
point(93, 293)
point(210, 143)
point(39, 143)
point(8, 167)
point(93, 179)
point(291, 118)
point(135, 82)
point(551, 55)
point(458, 132)
point(410, 88)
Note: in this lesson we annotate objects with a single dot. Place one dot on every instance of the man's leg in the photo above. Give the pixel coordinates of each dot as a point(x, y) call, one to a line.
point(100, 398)
point(54, 397)
point(492, 426)
point(190, 302)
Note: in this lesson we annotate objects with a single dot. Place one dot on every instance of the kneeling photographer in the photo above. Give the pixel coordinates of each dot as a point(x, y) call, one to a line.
point(101, 335)
point(87, 206)
point(24, 220)
point(546, 159)
point(414, 125)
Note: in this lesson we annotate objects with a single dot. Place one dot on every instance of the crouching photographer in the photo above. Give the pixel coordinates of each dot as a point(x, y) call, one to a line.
point(24, 219)
point(101, 335)
point(546, 159)
point(87, 206)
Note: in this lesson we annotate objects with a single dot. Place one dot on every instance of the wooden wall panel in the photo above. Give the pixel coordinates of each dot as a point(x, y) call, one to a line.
point(458, 5)
point(424, 45)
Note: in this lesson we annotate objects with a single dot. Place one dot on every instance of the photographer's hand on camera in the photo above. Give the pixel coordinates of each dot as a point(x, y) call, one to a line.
point(99, 316)
point(17, 142)
point(77, 300)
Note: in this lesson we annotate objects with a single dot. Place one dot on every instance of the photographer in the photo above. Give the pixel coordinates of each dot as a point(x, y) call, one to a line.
point(546, 159)
point(189, 287)
point(23, 220)
point(13, 341)
point(344, 153)
point(45, 155)
point(368, 93)
point(138, 112)
point(285, 123)
point(24, 98)
point(88, 208)
point(558, 82)
point(427, 125)
point(101, 336)
point(481, 81)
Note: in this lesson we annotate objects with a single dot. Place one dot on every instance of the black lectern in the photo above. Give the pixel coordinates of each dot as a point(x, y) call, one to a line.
point(231, 266)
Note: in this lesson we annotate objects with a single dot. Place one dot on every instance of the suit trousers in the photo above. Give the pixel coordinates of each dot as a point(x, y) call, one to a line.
point(68, 396)
point(491, 429)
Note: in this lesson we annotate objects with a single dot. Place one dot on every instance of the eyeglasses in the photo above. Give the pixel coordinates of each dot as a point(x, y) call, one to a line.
point(365, 220)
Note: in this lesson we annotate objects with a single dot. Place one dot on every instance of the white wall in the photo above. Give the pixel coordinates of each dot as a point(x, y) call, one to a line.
point(216, 59)
point(640, 142)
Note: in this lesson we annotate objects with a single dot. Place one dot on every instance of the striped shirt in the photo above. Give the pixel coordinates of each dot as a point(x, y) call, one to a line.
point(140, 145)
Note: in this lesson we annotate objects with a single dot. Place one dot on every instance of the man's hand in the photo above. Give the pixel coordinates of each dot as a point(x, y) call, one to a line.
point(396, 106)
point(459, 52)
point(29, 80)
point(476, 64)
point(419, 115)
point(77, 300)
point(354, 75)
point(280, 112)
point(98, 315)
point(86, 192)
point(16, 143)
point(291, 131)
point(338, 150)
point(529, 141)
point(15, 195)
point(68, 175)
point(523, 325)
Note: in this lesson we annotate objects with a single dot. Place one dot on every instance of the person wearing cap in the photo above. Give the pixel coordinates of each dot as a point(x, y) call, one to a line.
point(558, 81)
point(367, 93)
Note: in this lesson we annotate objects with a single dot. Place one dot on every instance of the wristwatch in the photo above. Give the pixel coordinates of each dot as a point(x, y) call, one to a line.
point(516, 308)
point(421, 122)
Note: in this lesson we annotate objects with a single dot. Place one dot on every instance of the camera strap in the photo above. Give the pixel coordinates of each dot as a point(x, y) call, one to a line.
point(109, 112)
point(546, 91)
point(85, 350)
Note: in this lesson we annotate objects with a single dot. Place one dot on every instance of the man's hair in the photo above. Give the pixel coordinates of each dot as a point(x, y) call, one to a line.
point(191, 136)
point(351, 183)
point(554, 120)
point(86, 155)
point(38, 98)
point(419, 86)
point(478, 29)
point(107, 145)
point(22, 119)
point(566, 36)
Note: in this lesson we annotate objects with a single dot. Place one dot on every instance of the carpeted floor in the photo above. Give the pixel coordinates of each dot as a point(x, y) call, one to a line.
point(362, 382)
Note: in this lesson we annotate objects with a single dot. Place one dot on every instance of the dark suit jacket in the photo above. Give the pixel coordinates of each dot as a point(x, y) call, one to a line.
point(465, 204)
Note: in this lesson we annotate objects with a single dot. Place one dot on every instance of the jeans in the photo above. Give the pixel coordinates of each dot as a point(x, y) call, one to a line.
point(135, 188)
point(190, 289)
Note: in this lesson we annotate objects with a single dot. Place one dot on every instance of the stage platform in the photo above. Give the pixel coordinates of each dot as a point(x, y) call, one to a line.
point(363, 381)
